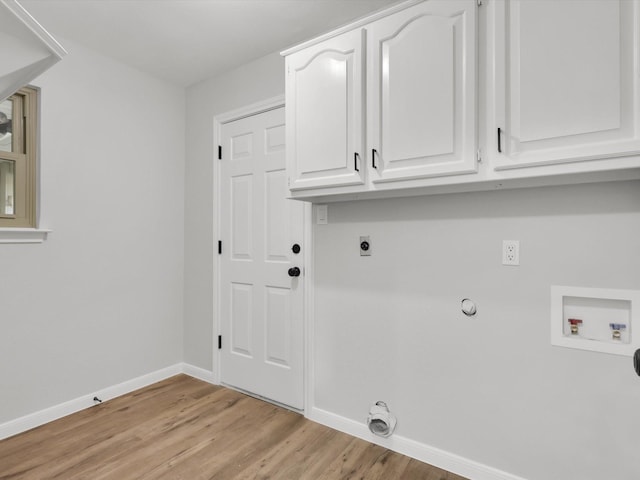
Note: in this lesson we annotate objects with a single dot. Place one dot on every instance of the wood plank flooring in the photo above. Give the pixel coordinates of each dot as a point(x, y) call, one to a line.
point(183, 428)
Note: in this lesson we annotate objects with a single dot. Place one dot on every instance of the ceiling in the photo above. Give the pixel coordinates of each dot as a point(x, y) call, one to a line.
point(186, 41)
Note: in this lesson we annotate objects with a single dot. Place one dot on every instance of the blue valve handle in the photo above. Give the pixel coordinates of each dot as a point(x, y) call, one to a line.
point(617, 326)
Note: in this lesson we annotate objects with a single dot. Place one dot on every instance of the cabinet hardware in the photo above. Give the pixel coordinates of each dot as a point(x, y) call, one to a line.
point(355, 161)
point(499, 144)
point(374, 152)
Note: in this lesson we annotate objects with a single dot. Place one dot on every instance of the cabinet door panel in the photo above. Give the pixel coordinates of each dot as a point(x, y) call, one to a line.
point(423, 91)
point(409, 132)
point(565, 84)
point(324, 114)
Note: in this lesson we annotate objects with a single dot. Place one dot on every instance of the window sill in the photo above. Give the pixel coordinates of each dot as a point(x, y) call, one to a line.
point(23, 235)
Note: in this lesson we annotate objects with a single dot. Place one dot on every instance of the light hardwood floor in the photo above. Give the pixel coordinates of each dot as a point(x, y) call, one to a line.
point(183, 428)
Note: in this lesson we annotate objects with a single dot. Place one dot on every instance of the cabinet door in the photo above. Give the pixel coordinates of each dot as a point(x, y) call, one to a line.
point(566, 81)
point(422, 97)
point(324, 95)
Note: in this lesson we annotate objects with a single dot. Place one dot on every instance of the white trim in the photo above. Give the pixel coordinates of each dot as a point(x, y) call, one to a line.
point(215, 209)
point(309, 308)
point(199, 373)
point(32, 420)
point(12, 81)
point(23, 235)
point(38, 30)
point(420, 451)
point(361, 22)
point(249, 110)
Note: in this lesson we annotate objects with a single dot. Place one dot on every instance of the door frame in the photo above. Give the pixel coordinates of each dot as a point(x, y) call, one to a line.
point(218, 122)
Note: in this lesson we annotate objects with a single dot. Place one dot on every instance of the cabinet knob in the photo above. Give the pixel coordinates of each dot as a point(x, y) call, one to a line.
point(294, 272)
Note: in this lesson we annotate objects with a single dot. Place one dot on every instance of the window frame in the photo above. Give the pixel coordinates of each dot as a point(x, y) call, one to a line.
point(25, 157)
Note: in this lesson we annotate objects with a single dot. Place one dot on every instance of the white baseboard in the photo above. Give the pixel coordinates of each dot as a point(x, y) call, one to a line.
point(22, 424)
point(32, 420)
point(199, 373)
point(425, 453)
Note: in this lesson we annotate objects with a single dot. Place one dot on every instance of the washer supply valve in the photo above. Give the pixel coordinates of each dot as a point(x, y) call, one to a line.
point(616, 329)
point(575, 323)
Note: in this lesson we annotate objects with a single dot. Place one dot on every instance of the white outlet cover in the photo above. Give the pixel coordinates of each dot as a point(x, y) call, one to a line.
point(322, 214)
point(511, 252)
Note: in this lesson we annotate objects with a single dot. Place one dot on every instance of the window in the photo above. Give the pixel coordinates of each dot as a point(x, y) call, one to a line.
point(18, 125)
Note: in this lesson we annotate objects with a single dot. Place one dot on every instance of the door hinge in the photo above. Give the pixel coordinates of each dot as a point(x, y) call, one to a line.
point(479, 155)
point(219, 342)
point(219, 152)
point(219, 247)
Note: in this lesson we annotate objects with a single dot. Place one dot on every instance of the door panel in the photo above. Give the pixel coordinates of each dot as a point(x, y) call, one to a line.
point(423, 91)
point(570, 94)
point(408, 132)
point(241, 318)
point(325, 92)
point(277, 310)
point(260, 305)
point(242, 217)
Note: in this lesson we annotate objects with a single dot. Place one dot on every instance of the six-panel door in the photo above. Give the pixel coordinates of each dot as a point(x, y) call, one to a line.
point(566, 82)
point(260, 303)
point(325, 113)
point(422, 91)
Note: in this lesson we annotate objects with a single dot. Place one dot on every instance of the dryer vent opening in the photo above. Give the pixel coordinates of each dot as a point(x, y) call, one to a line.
point(381, 422)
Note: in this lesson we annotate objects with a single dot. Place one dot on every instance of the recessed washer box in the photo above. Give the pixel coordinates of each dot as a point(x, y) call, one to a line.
point(596, 319)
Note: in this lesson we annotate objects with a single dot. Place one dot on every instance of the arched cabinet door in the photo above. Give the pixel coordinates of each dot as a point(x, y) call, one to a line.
point(422, 91)
point(324, 91)
point(26, 49)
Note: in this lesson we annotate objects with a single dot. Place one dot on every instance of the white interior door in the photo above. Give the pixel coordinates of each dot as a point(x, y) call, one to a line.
point(261, 303)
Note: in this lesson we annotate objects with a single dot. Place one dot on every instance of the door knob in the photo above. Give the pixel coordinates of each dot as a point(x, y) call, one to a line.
point(294, 272)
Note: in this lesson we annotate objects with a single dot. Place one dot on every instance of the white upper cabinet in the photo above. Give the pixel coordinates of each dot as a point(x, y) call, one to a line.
point(26, 49)
point(418, 117)
point(422, 91)
point(324, 114)
point(459, 95)
point(566, 86)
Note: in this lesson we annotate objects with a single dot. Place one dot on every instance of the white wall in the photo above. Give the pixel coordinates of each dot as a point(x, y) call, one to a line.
point(256, 81)
point(101, 301)
point(489, 388)
point(389, 327)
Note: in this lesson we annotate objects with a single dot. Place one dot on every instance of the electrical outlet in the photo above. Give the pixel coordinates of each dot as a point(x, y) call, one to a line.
point(510, 252)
